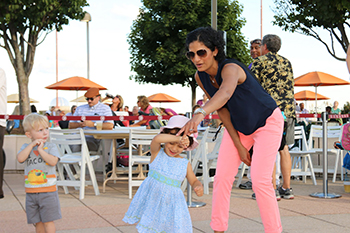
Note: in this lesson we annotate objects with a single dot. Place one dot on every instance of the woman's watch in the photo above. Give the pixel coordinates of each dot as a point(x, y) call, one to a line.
point(200, 110)
point(95, 124)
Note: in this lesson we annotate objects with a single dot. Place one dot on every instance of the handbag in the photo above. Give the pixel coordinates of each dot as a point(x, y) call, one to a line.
point(9, 126)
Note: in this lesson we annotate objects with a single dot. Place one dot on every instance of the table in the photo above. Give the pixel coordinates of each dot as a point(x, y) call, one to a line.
point(117, 133)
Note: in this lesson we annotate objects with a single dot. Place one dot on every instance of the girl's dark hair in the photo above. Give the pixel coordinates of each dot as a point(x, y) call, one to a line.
point(174, 131)
point(210, 38)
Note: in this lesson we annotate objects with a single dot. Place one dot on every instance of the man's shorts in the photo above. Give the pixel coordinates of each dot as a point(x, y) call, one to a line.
point(288, 133)
point(42, 207)
point(289, 129)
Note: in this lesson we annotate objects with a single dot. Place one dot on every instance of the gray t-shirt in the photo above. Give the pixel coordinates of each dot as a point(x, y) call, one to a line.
point(39, 176)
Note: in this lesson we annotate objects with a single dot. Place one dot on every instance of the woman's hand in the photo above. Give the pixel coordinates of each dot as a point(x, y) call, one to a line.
point(244, 155)
point(184, 142)
point(191, 125)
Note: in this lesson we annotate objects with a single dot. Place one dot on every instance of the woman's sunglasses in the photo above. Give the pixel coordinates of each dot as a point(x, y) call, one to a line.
point(202, 53)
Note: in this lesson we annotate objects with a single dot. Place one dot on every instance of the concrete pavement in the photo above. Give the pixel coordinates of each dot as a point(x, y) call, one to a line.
point(104, 213)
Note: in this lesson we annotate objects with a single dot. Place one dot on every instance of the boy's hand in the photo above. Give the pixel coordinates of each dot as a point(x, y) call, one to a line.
point(198, 189)
point(184, 141)
point(39, 143)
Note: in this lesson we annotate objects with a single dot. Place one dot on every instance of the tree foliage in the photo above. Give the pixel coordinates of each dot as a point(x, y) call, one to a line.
point(346, 108)
point(158, 37)
point(24, 24)
point(308, 16)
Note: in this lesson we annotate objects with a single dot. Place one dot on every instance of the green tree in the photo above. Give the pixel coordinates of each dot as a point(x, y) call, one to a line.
point(346, 108)
point(158, 37)
point(309, 16)
point(24, 24)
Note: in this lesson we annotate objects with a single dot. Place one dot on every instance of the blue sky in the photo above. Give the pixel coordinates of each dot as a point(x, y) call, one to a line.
point(109, 56)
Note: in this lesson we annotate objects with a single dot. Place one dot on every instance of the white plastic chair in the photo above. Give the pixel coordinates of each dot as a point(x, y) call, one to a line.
point(140, 138)
point(64, 139)
point(240, 174)
point(207, 156)
point(333, 132)
point(301, 159)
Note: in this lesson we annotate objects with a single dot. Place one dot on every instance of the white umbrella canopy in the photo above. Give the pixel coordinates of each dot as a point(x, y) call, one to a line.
point(79, 99)
point(82, 99)
point(61, 102)
point(14, 98)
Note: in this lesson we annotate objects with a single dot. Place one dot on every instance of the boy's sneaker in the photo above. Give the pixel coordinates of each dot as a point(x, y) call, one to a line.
point(286, 193)
point(278, 196)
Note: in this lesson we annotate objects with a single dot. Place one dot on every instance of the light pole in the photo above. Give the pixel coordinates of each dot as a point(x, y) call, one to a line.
point(87, 19)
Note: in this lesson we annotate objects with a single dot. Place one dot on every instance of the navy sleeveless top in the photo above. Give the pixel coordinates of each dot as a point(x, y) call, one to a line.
point(249, 106)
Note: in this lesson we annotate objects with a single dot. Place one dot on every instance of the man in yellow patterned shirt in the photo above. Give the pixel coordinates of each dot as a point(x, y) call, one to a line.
point(275, 75)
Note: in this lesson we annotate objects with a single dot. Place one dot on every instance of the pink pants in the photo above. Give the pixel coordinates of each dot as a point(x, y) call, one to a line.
point(266, 141)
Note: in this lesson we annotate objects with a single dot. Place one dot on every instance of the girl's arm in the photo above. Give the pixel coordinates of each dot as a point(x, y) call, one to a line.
point(194, 182)
point(164, 138)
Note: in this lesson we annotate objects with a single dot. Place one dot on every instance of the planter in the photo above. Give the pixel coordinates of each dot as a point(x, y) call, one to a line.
point(12, 144)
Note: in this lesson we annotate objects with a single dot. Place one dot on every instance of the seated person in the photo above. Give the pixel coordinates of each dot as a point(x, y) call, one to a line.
point(167, 112)
point(63, 124)
point(329, 111)
point(93, 108)
point(72, 110)
point(51, 122)
point(145, 107)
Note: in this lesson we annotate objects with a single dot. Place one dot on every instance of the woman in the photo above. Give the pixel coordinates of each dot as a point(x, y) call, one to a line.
point(145, 107)
point(251, 118)
point(72, 110)
point(117, 103)
point(335, 108)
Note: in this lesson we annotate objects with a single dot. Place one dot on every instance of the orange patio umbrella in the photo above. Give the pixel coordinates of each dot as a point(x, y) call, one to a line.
point(318, 78)
point(75, 83)
point(309, 95)
point(161, 97)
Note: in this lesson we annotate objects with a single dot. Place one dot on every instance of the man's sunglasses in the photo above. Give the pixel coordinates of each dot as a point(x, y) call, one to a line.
point(90, 98)
point(202, 53)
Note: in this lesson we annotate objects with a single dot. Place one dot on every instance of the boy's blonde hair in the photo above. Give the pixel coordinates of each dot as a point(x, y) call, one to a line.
point(33, 121)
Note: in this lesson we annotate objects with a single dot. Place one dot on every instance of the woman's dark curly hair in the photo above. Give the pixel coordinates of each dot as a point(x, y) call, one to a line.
point(210, 38)
point(174, 131)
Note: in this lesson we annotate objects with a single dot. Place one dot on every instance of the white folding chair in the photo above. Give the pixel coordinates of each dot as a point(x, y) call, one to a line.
point(240, 174)
point(64, 139)
point(140, 138)
point(206, 153)
point(333, 132)
point(301, 159)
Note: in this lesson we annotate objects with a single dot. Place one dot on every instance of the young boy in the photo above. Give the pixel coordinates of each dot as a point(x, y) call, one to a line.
point(40, 157)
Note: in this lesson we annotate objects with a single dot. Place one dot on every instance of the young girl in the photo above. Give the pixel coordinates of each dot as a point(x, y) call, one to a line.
point(159, 203)
point(345, 138)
